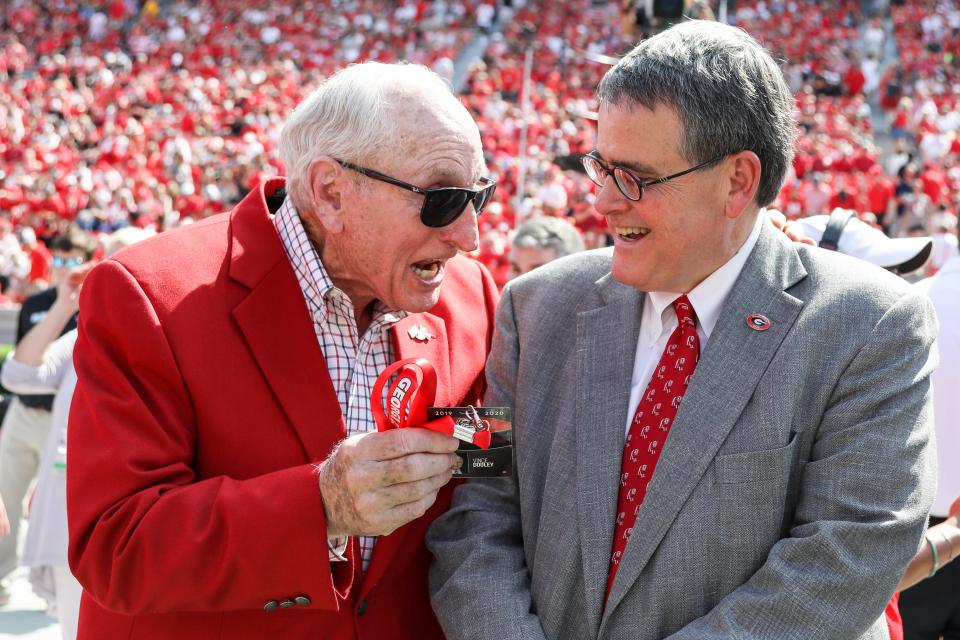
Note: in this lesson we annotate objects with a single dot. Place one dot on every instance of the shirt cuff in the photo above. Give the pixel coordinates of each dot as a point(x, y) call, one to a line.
point(337, 548)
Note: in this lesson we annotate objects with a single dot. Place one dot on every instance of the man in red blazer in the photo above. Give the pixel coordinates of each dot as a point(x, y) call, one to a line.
point(225, 477)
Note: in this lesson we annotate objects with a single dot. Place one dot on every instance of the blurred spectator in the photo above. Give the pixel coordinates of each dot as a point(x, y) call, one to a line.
point(930, 609)
point(541, 240)
point(27, 422)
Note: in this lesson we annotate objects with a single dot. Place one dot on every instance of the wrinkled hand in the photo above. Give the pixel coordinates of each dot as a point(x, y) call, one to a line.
point(374, 483)
point(68, 291)
point(781, 223)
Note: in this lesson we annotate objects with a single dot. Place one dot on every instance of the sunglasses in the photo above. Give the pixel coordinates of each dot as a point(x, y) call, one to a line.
point(630, 184)
point(73, 263)
point(442, 205)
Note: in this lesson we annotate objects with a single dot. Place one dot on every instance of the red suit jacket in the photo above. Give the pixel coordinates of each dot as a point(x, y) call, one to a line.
point(202, 408)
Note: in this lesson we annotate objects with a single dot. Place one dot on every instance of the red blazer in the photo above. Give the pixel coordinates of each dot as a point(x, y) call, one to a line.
point(202, 407)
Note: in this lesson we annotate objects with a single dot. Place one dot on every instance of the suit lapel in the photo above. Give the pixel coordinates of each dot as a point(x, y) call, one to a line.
point(436, 350)
point(735, 359)
point(276, 324)
point(607, 333)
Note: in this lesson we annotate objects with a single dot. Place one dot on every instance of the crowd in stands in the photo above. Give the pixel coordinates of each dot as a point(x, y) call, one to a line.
point(158, 113)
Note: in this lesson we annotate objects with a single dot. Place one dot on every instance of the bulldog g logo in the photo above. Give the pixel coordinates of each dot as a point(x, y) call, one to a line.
point(667, 386)
point(616, 557)
point(636, 418)
point(650, 395)
point(671, 349)
point(627, 533)
point(644, 433)
point(623, 479)
point(620, 518)
point(689, 342)
point(656, 409)
point(633, 455)
point(686, 380)
point(676, 401)
point(664, 424)
point(661, 371)
point(652, 449)
point(631, 494)
point(680, 362)
point(642, 471)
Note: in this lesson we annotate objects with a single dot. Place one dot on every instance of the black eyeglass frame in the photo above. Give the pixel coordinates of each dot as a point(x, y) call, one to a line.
point(444, 214)
point(611, 170)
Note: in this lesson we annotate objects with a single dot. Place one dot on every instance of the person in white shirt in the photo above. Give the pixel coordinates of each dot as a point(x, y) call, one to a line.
point(932, 608)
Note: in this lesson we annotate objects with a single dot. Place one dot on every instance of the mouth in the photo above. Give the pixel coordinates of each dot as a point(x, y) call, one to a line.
point(631, 234)
point(430, 272)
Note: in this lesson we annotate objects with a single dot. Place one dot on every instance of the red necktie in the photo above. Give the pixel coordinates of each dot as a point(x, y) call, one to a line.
point(651, 425)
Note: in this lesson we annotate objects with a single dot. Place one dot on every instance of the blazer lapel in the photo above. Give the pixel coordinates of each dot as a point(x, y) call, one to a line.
point(729, 369)
point(434, 348)
point(276, 324)
point(607, 332)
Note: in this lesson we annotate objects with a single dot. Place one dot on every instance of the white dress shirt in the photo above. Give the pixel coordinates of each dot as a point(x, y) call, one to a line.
point(658, 319)
point(944, 291)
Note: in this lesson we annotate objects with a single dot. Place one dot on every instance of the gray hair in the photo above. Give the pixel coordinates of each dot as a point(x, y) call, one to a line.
point(351, 117)
point(549, 233)
point(726, 89)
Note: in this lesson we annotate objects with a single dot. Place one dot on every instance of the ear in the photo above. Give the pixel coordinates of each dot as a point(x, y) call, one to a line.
point(744, 179)
point(325, 181)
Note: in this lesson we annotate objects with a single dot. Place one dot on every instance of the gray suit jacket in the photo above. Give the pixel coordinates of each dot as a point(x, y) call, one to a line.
point(790, 495)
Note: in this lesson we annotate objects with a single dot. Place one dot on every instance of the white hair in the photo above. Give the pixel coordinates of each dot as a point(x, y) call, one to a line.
point(351, 117)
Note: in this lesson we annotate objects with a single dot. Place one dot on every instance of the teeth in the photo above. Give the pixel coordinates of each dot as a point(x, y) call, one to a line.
point(628, 232)
point(427, 270)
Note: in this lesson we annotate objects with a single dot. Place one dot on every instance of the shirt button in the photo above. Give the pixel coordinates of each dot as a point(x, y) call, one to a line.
point(362, 607)
point(303, 601)
point(270, 606)
point(286, 604)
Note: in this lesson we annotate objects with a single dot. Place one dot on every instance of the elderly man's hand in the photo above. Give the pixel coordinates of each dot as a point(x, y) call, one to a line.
point(780, 222)
point(375, 482)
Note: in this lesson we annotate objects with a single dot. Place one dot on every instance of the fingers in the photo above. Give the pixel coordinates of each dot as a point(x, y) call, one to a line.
point(396, 443)
point(376, 482)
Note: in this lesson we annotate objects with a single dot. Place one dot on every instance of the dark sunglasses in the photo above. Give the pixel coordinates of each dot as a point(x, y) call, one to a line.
point(73, 263)
point(630, 184)
point(441, 205)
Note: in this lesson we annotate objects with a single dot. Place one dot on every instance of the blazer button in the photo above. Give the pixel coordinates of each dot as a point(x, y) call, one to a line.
point(362, 607)
point(270, 606)
point(303, 601)
point(286, 604)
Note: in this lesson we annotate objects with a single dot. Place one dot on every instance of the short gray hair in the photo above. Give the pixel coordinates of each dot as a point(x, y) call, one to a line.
point(725, 88)
point(351, 117)
point(549, 233)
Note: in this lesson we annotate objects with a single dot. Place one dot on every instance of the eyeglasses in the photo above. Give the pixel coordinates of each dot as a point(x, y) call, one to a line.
point(441, 205)
point(630, 184)
point(73, 263)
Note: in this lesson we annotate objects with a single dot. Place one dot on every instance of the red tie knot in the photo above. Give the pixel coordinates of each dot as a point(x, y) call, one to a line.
point(685, 313)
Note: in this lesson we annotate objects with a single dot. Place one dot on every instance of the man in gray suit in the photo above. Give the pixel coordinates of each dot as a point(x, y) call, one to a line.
point(782, 486)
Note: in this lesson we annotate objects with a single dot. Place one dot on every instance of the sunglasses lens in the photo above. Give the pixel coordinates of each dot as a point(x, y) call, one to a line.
point(443, 206)
point(482, 199)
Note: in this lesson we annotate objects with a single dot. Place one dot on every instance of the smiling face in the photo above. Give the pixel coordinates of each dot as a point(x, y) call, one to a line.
point(375, 247)
point(678, 233)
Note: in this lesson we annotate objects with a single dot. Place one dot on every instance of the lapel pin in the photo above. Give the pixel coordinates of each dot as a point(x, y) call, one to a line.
point(419, 333)
point(758, 322)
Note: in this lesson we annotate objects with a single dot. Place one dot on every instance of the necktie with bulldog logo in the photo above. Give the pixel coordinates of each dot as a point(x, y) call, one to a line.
point(651, 426)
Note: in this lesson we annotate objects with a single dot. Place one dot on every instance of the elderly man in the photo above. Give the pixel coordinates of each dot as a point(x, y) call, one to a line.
point(225, 479)
point(719, 433)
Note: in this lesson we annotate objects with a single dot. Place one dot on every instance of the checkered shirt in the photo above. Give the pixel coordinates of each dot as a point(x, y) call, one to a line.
point(354, 362)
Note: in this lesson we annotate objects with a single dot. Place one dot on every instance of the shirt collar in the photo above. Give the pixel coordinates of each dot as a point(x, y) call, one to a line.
point(708, 297)
point(313, 276)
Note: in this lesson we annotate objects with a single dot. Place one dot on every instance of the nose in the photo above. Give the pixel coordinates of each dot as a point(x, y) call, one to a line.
point(462, 232)
point(609, 199)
